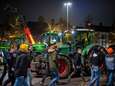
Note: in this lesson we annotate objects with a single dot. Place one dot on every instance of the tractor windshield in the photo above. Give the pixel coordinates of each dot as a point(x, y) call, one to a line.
point(50, 38)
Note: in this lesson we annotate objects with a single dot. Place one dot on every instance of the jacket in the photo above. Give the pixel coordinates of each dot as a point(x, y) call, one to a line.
point(22, 64)
point(110, 62)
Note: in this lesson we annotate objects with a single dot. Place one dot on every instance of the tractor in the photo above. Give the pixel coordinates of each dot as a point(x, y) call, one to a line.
point(63, 59)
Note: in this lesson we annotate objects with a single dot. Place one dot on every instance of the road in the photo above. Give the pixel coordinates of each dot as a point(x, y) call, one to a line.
point(74, 82)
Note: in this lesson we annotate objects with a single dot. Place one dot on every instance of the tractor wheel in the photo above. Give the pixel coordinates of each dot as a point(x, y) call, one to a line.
point(64, 66)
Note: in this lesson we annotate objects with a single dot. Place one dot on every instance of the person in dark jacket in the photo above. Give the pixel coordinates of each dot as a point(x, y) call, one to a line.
point(95, 67)
point(46, 73)
point(21, 68)
point(32, 54)
point(11, 64)
point(4, 55)
point(77, 63)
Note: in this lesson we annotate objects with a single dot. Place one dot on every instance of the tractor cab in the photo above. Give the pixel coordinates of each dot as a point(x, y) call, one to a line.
point(45, 40)
point(61, 39)
point(77, 38)
point(50, 38)
point(85, 36)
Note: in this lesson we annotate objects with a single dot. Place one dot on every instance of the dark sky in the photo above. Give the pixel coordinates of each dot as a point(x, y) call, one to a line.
point(99, 10)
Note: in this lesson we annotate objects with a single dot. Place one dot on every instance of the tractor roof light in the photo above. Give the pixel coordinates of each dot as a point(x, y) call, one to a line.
point(59, 34)
point(66, 31)
point(73, 32)
point(91, 30)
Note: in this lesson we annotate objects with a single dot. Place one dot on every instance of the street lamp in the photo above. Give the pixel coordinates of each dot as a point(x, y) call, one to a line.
point(67, 5)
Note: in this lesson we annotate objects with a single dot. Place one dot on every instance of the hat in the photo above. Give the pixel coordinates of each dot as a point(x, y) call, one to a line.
point(109, 50)
point(23, 47)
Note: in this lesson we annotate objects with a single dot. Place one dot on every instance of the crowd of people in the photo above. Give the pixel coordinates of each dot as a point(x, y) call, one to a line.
point(101, 61)
point(17, 63)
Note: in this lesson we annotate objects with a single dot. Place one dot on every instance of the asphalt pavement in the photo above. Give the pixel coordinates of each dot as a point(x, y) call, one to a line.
point(76, 81)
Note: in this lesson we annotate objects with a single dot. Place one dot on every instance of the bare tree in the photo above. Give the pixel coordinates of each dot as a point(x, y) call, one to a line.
point(88, 21)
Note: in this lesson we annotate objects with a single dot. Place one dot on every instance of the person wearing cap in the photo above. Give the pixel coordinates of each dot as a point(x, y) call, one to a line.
point(21, 67)
point(110, 66)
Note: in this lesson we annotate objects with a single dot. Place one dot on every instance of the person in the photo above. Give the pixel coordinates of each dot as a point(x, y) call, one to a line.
point(46, 72)
point(21, 67)
point(102, 54)
point(77, 64)
point(4, 55)
point(11, 64)
point(53, 67)
point(95, 69)
point(110, 66)
point(32, 54)
point(1, 55)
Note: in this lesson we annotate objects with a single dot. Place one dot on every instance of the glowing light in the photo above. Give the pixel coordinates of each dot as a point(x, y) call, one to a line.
point(60, 34)
point(12, 36)
point(67, 4)
point(73, 32)
point(66, 31)
point(53, 41)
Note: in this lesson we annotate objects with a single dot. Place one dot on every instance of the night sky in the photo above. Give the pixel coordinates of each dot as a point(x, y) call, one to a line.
point(99, 10)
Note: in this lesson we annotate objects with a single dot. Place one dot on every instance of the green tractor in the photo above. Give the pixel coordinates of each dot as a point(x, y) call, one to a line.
point(63, 59)
point(82, 38)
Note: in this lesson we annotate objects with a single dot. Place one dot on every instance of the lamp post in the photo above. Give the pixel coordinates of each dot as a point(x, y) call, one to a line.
point(67, 5)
